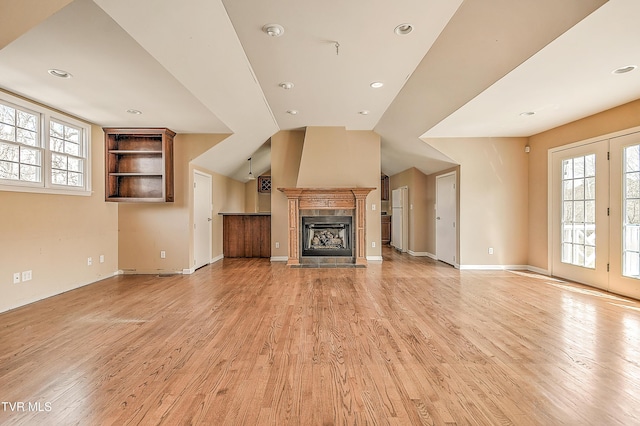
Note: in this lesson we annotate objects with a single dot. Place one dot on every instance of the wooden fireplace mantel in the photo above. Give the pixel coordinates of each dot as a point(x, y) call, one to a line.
point(327, 198)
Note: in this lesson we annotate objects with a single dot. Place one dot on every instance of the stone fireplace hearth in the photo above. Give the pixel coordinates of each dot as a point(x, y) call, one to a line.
point(338, 207)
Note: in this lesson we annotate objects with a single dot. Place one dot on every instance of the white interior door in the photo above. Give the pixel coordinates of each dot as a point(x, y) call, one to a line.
point(201, 219)
point(579, 213)
point(446, 207)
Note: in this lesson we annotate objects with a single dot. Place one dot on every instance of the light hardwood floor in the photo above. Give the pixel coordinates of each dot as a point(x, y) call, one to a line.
point(408, 341)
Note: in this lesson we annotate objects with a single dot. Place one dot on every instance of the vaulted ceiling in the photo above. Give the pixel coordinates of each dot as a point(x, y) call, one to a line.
point(469, 68)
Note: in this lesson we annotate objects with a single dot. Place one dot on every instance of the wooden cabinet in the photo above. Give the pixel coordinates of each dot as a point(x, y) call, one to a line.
point(138, 165)
point(385, 229)
point(246, 235)
point(384, 187)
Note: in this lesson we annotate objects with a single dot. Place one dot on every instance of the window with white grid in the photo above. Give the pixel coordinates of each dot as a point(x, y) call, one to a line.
point(41, 150)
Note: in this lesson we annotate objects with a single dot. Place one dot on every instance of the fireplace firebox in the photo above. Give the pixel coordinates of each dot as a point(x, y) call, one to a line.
point(327, 236)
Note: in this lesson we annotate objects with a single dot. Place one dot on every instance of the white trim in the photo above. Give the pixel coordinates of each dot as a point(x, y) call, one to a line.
point(374, 258)
point(422, 254)
point(188, 271)
point(539, 270)
point(279, 258)
point(494, 267)
point(217, 258)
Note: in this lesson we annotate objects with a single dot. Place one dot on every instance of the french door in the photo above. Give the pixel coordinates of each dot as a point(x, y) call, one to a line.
point(595, 214)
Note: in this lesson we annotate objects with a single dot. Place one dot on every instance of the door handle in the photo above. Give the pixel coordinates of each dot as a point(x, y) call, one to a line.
point(209, 219)
point(438, 217)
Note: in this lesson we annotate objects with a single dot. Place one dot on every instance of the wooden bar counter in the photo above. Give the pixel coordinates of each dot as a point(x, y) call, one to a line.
point(246, 234)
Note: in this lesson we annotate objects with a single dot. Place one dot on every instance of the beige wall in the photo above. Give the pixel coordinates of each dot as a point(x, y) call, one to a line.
point(251, 196)
point(286, 150)
point(147, 228)
point(607, 122)
point(419, 215)
point(53, 235)
point(493, 199)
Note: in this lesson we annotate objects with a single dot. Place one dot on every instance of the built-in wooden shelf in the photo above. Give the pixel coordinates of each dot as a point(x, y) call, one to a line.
point(139, 165)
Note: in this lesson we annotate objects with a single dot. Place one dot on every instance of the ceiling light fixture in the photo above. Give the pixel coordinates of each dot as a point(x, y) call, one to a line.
point(273, 30)
point(624, 70)
point(250, 176)
point(286, 85)
point(59, 73)
point(134, 111)
point(527, 113)
point(377, 84)
point(403, 29)
point(292, 111)
point(363, 112)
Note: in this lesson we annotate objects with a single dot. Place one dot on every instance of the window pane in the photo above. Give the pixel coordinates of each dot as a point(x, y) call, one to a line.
point(29, 173)
point(567, 169)
point(74, 164)
point(590, 188)
point(9, 170)
point(71, 148)
point(590, 211)
point(7, 115)
point(59, 161)
point(57, 145)
point(30, 156)
point(7, 132)
point(9, 152)
point(59, 177)
point(633, 185)
point(568, 212)
point(632, 216)
point(567, 193)
point(632, 238)
point(590, 165)
point(578, 211)
point(27, 121)
point(71, 134)
point(632, 155)
point(578, 189)
point(590, 257)
point(578, 167)
point(57, 130)
point(75, 179)
point(27, 137)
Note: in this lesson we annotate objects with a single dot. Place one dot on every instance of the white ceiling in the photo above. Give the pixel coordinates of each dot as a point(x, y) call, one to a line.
point(468, 69)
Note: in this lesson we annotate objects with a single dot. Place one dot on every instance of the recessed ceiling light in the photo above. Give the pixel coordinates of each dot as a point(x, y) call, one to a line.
point(59, 73)
point(286, 85)
point(624, 70)
point(363, 112)
point(377, 84)
point(292, 111)
point(134, 111)
point(527, 113)
point(403, 29)
point(274, 30)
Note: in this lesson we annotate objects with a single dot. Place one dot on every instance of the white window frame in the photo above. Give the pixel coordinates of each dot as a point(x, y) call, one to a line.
point(46, 186)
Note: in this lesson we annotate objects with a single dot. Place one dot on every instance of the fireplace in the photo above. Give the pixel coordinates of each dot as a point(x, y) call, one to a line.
point(327, 236)
point(335, 202)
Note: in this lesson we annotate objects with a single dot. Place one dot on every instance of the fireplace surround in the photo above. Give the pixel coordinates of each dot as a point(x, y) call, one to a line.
point(349, 202)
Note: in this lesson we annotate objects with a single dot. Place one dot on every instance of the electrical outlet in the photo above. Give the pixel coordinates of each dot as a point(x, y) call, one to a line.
point(163, 254)
point(490, 250)
point(16, 278)
point(89, 261)
point(102, 258)
point(373, 244)
point(373, 206)
point(26, 276)
point(277, 244)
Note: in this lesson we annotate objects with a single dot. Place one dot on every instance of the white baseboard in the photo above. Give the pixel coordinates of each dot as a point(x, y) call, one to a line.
point(422, 254)
point(539, 270)
point(217, 258)
point(188, 271)
point(494, 267)
point(279, 258)
point(374, 258)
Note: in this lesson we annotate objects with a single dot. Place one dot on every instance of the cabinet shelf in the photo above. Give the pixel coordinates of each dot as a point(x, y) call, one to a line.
point(139, 165)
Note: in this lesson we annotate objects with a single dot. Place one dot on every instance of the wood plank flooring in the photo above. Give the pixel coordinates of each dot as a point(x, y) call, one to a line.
point(243, 341)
